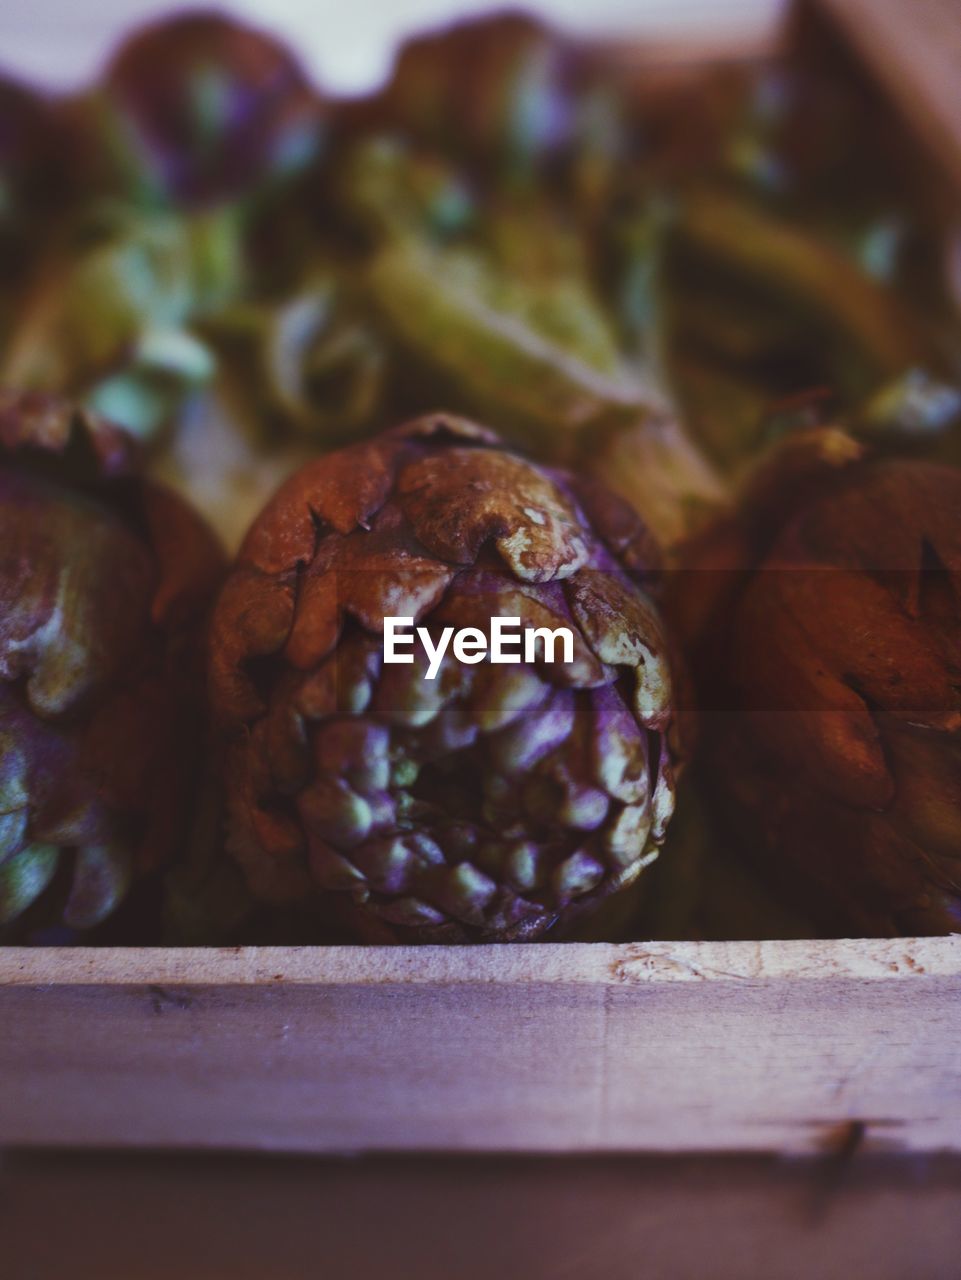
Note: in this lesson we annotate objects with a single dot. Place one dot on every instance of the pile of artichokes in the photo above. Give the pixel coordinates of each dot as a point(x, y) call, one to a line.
point(668, 359)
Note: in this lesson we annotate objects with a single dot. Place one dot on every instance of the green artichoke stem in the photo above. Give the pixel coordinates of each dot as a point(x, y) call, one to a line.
point(655, 465)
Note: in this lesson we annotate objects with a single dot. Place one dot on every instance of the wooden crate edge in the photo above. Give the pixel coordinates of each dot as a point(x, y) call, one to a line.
point(872, 959)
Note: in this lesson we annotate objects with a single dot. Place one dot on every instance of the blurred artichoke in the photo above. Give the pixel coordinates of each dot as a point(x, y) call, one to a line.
point(491, 802)
point(486, 297)
point(512, 98)
point(197, 120)
point(756, 312)
point(112, 314)
point(104, 579)
point(836, 743)
point(197, 110)
point(766, 245)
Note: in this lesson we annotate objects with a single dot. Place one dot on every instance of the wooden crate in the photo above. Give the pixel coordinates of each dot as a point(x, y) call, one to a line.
point(786, 1046)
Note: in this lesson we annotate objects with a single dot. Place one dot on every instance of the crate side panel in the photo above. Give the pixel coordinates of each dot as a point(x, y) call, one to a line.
point(541, 964)
point(302, 1067)
point(709, 1064)
point(787, 1064)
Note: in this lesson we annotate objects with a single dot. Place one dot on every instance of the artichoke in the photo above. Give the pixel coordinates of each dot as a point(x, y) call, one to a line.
point(835, 752)
point(104, 578)
point(197, 120)
point(483, 804)
point(198, 110)
point(112, 315)
point(730, 259)
point(487, 299)
point(510, 96)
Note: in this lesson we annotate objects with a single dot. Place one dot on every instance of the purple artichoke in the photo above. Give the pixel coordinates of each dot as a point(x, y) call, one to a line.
point(836, 745)
point(104, 580)
point(506, 94)
point(199, 109)
point(493, 801)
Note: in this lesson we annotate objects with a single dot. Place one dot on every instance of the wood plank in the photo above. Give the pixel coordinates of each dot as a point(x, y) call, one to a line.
point(666, 1047)
point(545, 963)
point(209, 1217)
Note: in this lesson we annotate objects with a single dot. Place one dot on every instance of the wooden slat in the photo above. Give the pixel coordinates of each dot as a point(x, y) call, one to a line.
point(870, 959)
point(658, 1047)
point(135, 1216)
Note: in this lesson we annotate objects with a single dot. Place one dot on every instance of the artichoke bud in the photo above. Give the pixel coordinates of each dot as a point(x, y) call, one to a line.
point(511, 97)
point(113, 317)
point(198, 110)
point(442, 799)
point(765, 300)
point(835, 754)
point(97, 701)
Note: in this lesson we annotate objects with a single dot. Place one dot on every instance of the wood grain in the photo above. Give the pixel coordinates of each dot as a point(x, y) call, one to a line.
point(657, 1047)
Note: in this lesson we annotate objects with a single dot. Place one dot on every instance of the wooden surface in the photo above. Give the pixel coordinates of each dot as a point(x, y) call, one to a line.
point(779, 1046)
point(132, 1216)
